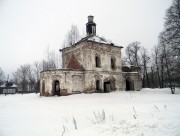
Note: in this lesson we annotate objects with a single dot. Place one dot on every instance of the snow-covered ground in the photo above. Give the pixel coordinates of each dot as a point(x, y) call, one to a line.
point(150, 112)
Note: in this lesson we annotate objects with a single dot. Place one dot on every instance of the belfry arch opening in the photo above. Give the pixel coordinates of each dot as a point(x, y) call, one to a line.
point(56, 88)
point(129, 85)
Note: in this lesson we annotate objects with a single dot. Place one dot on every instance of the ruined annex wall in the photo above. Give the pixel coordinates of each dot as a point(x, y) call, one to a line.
point(70, 81)
point(105, 52)
point(135, 77)
point(92, 76)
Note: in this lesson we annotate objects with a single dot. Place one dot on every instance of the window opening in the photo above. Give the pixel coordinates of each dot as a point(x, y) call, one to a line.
point(98, 62)
point(112, 63)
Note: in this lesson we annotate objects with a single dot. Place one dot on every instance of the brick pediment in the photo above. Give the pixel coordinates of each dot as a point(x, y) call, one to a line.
point(74, 63)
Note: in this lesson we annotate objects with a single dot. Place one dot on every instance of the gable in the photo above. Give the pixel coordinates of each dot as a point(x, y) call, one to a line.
point(74, 63)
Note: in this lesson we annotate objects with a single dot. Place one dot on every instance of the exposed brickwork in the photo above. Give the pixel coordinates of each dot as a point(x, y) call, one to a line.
point(74, 64)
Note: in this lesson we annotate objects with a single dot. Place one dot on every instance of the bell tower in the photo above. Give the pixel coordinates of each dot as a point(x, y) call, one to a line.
point(90, 26)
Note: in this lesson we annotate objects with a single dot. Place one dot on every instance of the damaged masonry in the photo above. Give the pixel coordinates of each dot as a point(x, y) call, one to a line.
point(91, 65)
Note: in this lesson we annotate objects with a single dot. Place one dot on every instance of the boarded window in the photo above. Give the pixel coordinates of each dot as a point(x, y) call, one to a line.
point(77, 79)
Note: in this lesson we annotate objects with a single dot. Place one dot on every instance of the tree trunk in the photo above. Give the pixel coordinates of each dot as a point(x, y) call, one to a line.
point(162, 73)
point(147, 77)
point(168, 71)
point(152, 77)
point(157, 70)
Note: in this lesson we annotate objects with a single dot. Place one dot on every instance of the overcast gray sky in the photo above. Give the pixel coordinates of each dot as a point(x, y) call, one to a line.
point(27, 27)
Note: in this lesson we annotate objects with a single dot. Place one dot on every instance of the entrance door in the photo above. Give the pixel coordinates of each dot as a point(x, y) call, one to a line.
point(106, 87)
point(57, 88)
point(129, 85)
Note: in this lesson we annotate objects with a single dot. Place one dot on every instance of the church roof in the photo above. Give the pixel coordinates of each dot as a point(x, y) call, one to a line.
point(8, 84)
point(94, 38)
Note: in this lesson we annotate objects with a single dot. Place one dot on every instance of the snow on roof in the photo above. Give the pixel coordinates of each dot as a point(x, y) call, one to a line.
point(94, 38)
point(99, 40)
point(4, 85)
point(130, 72)
point(129, 66)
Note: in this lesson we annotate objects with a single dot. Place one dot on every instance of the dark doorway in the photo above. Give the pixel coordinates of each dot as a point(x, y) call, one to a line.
point(129, 85)
point(97, 85)
point(57, 88)
point(106, 87)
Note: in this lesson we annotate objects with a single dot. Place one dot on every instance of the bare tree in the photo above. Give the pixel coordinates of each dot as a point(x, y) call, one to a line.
point(72, 36)
point(169, 41)
point(145, 60)
point(37, 68)
point(171, 60)
point(128, 59)
point(49, 63)
point(162, 71)
point(156, 66)
point(23, 76)
point(172, 26)
point(2, 76)
point(168, 62)
point(132, 55)
point(152, 77)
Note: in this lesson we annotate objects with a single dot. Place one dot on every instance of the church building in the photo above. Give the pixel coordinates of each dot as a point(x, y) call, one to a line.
point(91, 65)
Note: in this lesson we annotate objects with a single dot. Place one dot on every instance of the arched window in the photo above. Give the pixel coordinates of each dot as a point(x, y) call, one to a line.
point(98, 61)
point(113, 63)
